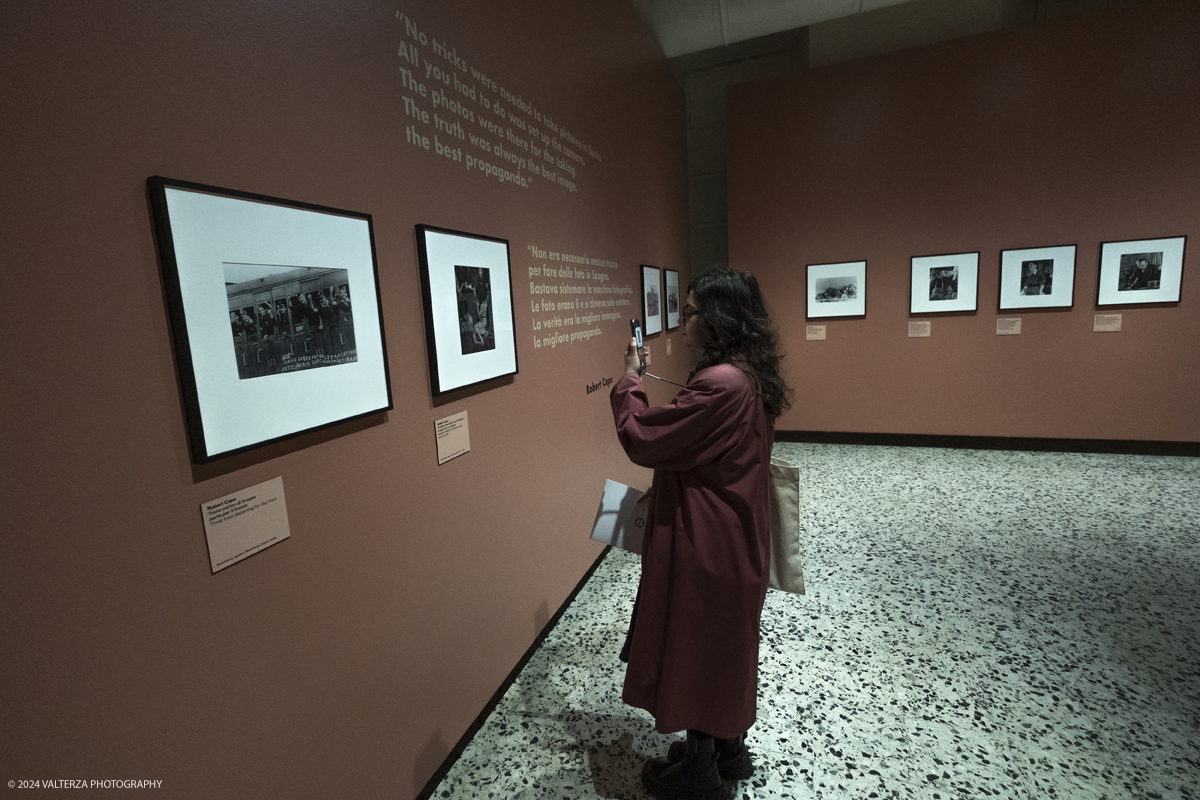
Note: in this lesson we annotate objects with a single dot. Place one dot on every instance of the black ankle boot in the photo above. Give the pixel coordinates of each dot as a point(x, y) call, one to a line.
point(693, 777)
point(733, 757)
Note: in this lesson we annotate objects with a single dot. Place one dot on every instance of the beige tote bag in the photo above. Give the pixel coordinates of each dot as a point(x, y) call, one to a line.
point(787, 556)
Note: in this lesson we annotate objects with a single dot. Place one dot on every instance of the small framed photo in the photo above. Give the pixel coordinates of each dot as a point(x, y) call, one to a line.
point(837, 290)
point(466, 287)
point(652, 313)
point(944, 283)
point(275, 313)
point(674, 302)
point(1037, 277)
point(1141, 271)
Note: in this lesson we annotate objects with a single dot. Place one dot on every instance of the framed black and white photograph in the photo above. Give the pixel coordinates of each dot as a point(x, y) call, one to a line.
point(652, 305)
point(466, 286)
point(275, 313)
point(837, 290)
point(944, 283)
point(673, 301)
point(1037, 277)
point(1141, 271)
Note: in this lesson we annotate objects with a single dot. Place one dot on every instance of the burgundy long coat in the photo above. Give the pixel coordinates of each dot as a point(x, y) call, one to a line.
point(693, 656)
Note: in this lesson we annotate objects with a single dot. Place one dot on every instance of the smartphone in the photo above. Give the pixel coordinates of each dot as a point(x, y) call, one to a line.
point(636, 327)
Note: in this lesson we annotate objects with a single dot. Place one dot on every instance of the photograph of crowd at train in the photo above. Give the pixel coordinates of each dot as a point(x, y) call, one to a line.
point(288, 318)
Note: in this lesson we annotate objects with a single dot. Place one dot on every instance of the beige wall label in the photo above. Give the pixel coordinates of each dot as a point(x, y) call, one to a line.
point(1106, 323)
point(1008, 326)
point(241, 524)
point(453, 437)
point(919, 329)
point(814, 333)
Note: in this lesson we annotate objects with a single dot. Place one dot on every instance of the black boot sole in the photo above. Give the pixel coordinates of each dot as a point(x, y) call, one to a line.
point(653, 780)
point(737, 769)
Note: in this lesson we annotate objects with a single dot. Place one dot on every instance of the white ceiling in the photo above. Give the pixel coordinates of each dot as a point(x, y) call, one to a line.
point(688, 26)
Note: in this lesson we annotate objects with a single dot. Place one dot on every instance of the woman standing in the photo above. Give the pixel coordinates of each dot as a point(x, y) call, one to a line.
point(692, 649)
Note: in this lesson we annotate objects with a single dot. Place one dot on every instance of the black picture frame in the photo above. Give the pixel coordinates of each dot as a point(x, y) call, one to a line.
point(1122, 283)
point(837, 290)
point(269, 300)
point(466, 293)
point(944, 283)
point(673, 299)
point(1037, 277)
point(652, 316)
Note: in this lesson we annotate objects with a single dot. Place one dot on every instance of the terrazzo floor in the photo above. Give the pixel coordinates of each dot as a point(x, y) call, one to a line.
point(978, 624)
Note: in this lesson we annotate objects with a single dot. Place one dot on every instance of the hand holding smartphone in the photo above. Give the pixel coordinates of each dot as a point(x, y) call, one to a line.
point(636, 328)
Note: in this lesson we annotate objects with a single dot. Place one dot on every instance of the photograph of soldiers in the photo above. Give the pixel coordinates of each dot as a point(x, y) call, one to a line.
point(286, 319)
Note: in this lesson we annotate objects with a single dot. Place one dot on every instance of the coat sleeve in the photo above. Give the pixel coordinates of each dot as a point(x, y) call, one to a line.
point(694, 429)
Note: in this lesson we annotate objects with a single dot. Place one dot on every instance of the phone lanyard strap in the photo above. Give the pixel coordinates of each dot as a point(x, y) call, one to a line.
point(664, 380)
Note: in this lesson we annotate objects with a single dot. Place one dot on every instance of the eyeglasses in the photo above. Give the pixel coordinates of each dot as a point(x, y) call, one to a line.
point(687, 313)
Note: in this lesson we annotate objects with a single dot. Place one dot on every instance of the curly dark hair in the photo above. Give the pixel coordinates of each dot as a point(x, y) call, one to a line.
point(738, 331)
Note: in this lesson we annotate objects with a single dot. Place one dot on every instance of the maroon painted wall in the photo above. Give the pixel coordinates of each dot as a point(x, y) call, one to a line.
point(1082, 132)
point(347, 660)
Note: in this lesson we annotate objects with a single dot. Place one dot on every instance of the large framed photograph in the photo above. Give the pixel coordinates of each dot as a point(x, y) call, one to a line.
point(275, 313)
point(652, 314)
point(1037, 277)
point(837, 290)
point(673, 300)
point(1141, 271)
point(944, 283)
point(466, 286)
